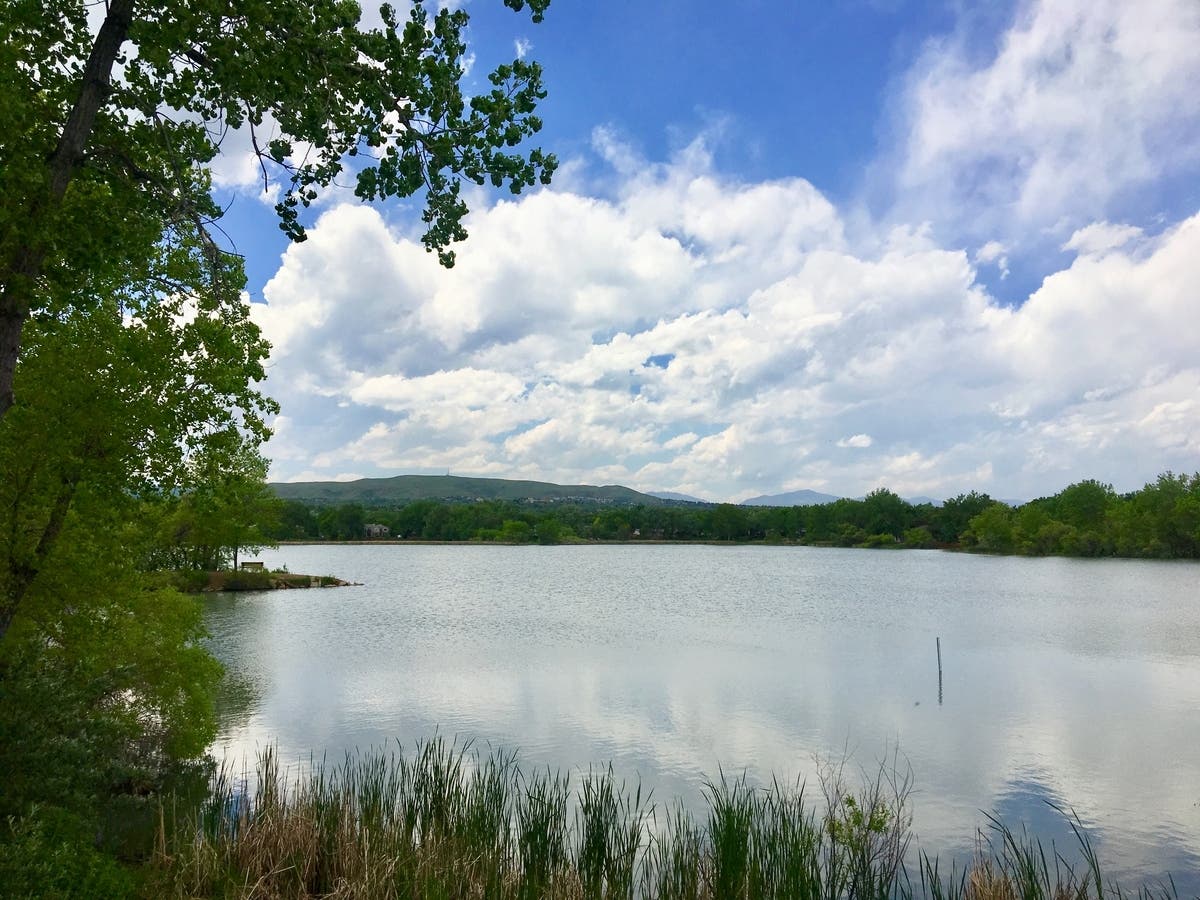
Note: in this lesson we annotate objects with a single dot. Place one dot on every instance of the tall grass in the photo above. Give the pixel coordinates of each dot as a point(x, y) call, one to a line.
point(445, 821)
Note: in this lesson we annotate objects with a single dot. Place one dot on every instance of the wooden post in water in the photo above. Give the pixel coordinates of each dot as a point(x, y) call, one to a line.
point(939, 656)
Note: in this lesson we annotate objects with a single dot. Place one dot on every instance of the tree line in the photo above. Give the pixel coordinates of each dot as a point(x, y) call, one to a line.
point(1088, 518)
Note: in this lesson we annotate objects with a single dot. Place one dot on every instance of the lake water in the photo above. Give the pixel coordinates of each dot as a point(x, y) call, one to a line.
point(1070, 681)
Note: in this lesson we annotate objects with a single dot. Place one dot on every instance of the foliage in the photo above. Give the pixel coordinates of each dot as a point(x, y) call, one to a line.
point(549, 531)
point(105, 687)
point(884, 512)
point(728, 522)
point(447, 821)
point(992, 530)
point(920, 537)
point(1087, 519)
point(50, 853)
point(107, 135)
point(116, 400)
point(226, 508)
point(106, 691)
point(956, 514)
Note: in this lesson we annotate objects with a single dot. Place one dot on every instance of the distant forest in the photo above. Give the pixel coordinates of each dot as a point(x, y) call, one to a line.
point(1161, 521)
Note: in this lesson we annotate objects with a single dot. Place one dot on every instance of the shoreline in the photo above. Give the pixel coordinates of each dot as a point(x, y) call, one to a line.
point(587, 543)
point(240, 581)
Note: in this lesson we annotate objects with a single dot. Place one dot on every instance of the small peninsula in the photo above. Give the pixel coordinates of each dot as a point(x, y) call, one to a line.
point(249, 579)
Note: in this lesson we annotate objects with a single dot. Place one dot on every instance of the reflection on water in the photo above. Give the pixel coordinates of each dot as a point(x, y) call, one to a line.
point(239, 694)
point(1074, 682)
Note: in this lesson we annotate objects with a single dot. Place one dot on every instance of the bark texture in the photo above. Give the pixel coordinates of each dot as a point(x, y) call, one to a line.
point(23, 268)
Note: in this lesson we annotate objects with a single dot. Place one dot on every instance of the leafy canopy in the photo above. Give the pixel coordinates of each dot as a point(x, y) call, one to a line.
point(106, 136)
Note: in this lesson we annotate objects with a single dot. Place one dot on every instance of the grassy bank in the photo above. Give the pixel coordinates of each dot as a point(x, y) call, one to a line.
point(447, 822)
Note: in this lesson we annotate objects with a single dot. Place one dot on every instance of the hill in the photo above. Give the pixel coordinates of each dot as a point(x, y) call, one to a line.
point(406, 488)
point(681, 498)
point(792, 498)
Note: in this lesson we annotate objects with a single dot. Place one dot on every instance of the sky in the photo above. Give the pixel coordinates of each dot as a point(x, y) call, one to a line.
point(935, 247)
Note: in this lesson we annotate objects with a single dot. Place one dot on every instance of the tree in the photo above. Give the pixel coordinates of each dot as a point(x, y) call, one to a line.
point(105, 685)
point(118, 398)
point(296, 520)
point(112, 402)
point(819, 522)
point(95, 169)
point(1083, 505)
point(227, 507)
point(344, 523)
point(516, 531)
point(1162, 519)
point(952, 519)
point(729, 522)
point(549, 530)
point(885, 512)
point(992, 530)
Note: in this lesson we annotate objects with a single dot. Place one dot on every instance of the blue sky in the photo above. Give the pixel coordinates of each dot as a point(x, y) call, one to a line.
point(834, 246)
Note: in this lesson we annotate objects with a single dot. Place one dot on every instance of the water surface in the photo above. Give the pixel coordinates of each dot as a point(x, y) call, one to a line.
point(1070, 681)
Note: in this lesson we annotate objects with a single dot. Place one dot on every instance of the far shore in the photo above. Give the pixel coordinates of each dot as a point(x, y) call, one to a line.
point(587, 543)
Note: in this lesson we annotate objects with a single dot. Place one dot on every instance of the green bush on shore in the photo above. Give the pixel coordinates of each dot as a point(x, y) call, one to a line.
point(51, 852)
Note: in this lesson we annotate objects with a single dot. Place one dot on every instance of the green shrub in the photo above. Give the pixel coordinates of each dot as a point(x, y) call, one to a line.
point(49, 853)
point(884, 539)
point(918, 537)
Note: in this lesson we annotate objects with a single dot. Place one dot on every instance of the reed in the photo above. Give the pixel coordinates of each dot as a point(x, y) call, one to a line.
point(445, 821)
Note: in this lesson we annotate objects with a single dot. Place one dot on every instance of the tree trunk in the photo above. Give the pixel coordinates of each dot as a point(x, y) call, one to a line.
point(22, 270)
point(12, 323)
point(21, 577)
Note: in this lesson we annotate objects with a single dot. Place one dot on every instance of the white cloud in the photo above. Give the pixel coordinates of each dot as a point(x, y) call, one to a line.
point(582, 339)
point(1101, 236)
point(858, 441)
point(994, 252)
point(688, 331)
point(1083, 101)
point(521, 47)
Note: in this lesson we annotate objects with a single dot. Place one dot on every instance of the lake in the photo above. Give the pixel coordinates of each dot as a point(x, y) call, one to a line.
point(1070, 681)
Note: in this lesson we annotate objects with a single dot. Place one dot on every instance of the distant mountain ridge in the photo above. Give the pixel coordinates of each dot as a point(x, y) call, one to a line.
point(792, 498)
point(407, 488)
point(399, 489)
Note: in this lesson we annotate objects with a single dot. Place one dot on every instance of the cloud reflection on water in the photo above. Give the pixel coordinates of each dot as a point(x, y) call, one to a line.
point(1066, 681)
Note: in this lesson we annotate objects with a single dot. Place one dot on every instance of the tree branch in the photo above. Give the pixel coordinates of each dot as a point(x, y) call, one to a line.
point(97, 78)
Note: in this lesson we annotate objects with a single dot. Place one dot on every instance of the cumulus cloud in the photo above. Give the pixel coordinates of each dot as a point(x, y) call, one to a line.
point(784, 356)
point(693, 332)
point(1082, 102)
